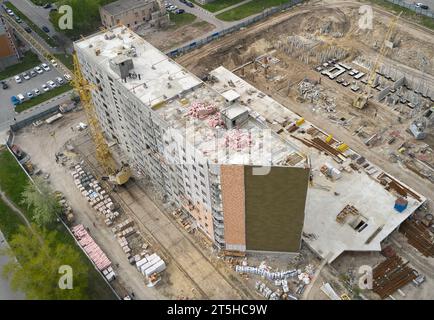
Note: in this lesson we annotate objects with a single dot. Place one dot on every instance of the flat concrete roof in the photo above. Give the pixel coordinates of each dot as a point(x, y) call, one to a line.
point(361, 189)
point(160, 77)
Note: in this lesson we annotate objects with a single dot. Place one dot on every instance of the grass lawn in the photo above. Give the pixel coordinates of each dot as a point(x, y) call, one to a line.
point(43, 97)
point(50, 41)
point(66, 59)
point(9, 221)
point(248, 9)
point(29, 61)
point(406, 13)
point(182, 19)
point(218, 5)
point(12, 182)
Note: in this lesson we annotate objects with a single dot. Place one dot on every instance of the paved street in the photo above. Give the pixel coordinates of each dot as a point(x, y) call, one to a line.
point(429, 3)
point(203, 14)
point(6, 293)
point(40, 17)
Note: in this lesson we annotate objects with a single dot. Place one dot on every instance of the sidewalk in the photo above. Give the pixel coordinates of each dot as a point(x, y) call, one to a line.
point(231, 7)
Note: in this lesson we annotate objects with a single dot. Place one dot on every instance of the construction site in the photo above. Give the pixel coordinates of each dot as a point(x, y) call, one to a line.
point(156, 167)
point(320, 68)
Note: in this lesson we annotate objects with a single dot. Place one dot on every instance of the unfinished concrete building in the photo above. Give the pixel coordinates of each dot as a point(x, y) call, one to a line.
point(133, 13)
point(235, 159)
point(200, 148)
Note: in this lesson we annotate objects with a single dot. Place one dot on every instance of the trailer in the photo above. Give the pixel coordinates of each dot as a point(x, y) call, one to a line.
point(54, 118)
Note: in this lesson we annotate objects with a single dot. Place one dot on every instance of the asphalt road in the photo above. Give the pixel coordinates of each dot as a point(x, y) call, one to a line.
point(40, 17)
point(429, 3)
point(6, 293)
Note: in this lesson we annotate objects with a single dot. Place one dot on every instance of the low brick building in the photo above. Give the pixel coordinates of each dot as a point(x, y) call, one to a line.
point(9, 54)
point(133, 13)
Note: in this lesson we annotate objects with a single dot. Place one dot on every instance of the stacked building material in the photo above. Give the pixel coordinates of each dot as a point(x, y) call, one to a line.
point(215, 120)
point(90, 247)
point(267, 292)
point(418, 236)
point(391, 275)
point(201, 110)
point(237, 139)
point(95, 194)
point(123, 242)
point(123, 225)
point(263, 272)
point(151, 264)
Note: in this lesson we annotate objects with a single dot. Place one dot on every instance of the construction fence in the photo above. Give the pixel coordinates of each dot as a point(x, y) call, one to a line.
point(413, 7)
point(200, 42)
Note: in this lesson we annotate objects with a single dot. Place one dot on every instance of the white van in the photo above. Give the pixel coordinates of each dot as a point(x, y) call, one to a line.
point(21, 98)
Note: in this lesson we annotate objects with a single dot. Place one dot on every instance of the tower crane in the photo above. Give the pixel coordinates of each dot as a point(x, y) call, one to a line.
point(361, 100)
point(103, 154)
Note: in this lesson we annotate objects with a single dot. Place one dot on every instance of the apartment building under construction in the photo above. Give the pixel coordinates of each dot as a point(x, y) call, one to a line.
point(236, 160)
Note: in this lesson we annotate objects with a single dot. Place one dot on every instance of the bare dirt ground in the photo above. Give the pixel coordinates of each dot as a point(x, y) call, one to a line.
point(190, 273)
point(174, 37)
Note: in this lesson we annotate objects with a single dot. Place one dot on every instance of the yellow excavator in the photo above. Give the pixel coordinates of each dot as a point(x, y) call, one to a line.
point(118, 176)
point(361, 101)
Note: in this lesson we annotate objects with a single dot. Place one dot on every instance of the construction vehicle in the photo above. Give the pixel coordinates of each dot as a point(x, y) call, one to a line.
point(361, 101)
point(103, 155)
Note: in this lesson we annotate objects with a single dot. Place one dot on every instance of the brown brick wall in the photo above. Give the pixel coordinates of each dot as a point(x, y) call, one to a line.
point(232, 185)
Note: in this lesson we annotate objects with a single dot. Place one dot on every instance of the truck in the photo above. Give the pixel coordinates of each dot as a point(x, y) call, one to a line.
point(66, 107)
point(54, 118)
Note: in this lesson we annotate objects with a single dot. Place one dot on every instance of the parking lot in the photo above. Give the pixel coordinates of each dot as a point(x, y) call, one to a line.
point(7, 109)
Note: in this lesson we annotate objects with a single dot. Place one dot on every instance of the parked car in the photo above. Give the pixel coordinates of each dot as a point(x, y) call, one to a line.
point(47, 6)
point(30, 95)
point(190, 4)
point(10, 12)
point(18, 19)
point(36, 92)
point(45, 67)
point(33, 73)
point(21, 98)
point(60, 80)
point(45, 28)
point(18, 79)
point(51, 84)
point(172, 8)
point(26, 76)
point(38, 70)
point(28, 30)
point(45, 87)
point(67, 77)
point(54, 63)
point(421, 5)
point(179, 11)
point(4, 85)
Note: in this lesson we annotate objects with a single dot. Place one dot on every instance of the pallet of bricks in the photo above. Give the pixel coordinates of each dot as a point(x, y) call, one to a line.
point(122, 231)
point(418, 236)
point(95, 194)
point(391, 275)
point(93, 250)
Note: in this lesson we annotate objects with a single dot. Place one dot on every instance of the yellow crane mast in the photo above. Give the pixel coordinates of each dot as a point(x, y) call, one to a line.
point(361, 100)
point(103, 154)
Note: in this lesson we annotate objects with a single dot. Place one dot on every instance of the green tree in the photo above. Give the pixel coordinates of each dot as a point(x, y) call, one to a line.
point(35, 271)
point(39, 198)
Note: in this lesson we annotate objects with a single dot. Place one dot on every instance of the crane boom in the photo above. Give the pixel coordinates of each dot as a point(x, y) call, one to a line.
point(362, 99)
point(103, 154)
